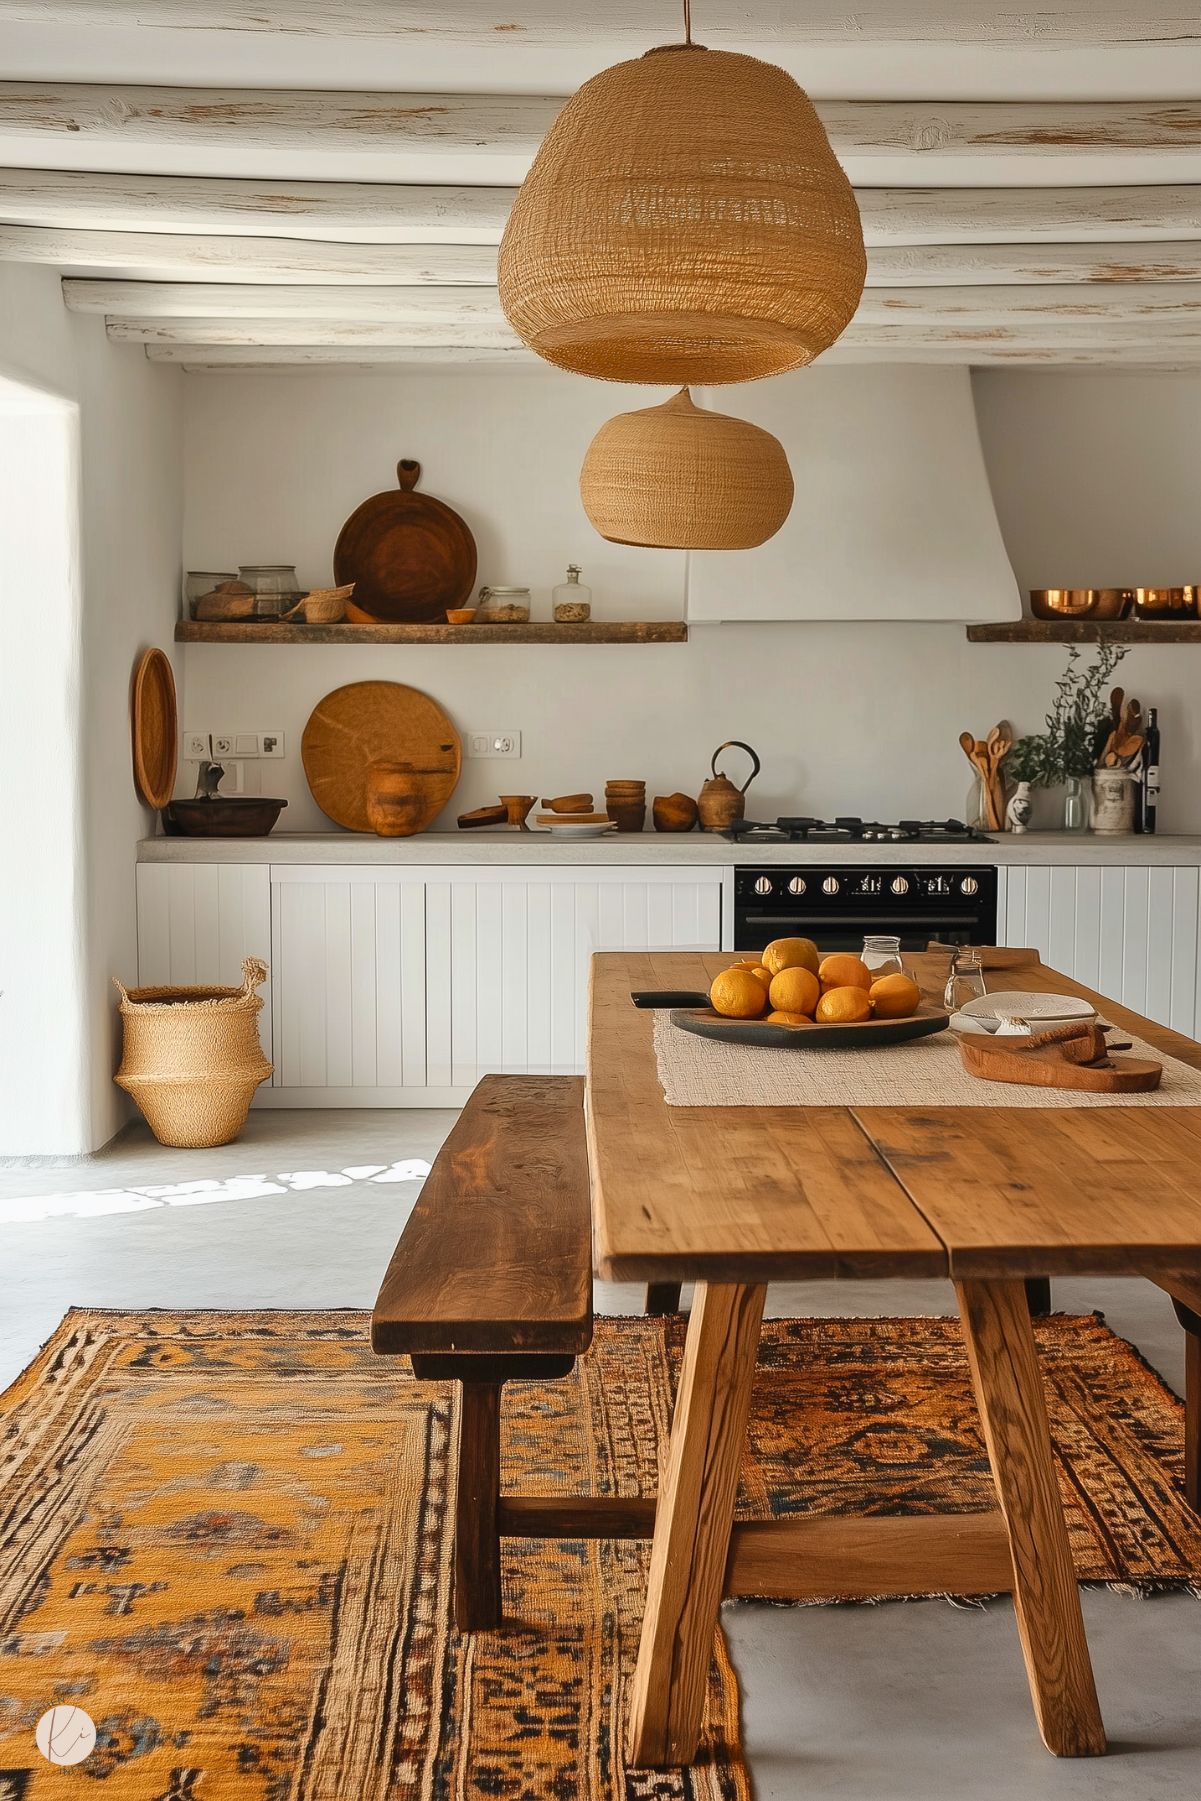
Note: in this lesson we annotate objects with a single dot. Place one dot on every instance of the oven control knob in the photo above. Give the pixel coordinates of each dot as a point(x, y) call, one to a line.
point(899, 884)
point(831, 885)
point(763, 884)
point(796, 884)
point(969, 885)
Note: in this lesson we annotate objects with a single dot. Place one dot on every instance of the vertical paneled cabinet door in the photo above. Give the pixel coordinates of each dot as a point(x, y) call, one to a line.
point(1130, 933)
point(521, 943)
point(197, 921)
point(353, 1026)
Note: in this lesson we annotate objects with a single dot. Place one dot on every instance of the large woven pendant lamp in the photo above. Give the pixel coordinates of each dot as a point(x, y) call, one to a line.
point(676, 477)
point(685, 220)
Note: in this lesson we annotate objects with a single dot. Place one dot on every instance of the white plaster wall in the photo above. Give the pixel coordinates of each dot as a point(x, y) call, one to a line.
point(847, 717)
point(95, 478)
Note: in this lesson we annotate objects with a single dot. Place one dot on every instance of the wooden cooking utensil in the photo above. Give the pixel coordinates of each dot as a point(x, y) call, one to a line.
point(378, 722)
point(570, 803)
point(483, 816)
point(410, 557)
point(517, 807)
point(154, 728)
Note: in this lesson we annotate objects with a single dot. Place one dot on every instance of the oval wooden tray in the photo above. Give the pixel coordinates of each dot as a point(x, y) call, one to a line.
point(410, 557)
point(854, 1035)
point(155, 729)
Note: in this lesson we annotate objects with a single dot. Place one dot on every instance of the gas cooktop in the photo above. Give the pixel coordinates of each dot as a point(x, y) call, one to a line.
point(855, 831)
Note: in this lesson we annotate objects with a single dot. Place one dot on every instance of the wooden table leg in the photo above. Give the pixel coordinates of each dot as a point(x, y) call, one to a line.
point(663, 1297)
point(1192, 1403)
point(692, 1524)
point(1009, 1392)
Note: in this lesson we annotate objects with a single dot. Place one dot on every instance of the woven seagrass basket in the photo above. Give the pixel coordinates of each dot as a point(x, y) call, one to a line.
point(679, 477)
point(685, 220)
point(192, 1058)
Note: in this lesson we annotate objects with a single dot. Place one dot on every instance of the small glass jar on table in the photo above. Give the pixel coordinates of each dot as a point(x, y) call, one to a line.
point(965, 978)
point(882, 955)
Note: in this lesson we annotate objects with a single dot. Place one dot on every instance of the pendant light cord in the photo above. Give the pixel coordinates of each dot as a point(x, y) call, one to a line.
point(688, 23)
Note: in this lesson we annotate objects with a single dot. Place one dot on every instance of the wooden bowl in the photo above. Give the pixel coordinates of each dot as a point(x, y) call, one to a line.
point(460, 615)
point(674, 812)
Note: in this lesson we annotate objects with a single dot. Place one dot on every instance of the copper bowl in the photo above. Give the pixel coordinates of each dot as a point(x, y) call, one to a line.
point(1165, 603)
point(1081, 603)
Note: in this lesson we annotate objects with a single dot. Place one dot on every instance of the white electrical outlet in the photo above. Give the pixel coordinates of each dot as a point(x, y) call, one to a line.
point(244, 745)
point(195, 747)
point(494, 744)
point(223, 744)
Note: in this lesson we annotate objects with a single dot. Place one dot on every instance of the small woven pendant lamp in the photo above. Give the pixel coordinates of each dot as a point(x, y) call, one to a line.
point(676, 477)
point(685, 220)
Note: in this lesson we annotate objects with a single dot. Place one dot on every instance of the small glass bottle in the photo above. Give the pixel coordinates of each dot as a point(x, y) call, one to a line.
point(882, 954)
point(965, 982)
point(1073, 804)
point(572, 598)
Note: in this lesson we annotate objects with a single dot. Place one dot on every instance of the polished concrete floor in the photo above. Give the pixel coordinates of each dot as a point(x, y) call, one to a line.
point(916, 1700)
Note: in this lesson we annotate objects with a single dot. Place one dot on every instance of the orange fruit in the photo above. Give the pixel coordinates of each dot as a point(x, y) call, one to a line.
point(894, 996)
point(795, 990)
point(789, 1019)
point(790, 953)
point(760, 974)
point(843, 1006)
point(843, 970)
point(738, 994)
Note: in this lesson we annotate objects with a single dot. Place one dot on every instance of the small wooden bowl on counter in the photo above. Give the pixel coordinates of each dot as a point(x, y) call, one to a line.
point(674, 812)
point(460, 615)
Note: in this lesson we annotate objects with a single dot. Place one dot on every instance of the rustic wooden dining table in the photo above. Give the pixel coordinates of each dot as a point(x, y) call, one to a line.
point(735, 1198)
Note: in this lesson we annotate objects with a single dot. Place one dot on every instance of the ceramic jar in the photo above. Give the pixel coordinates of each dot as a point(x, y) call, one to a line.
point(395, 802)
point(1113, 801)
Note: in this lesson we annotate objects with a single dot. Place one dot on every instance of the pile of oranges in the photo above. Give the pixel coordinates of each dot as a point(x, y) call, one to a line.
point(792, 984)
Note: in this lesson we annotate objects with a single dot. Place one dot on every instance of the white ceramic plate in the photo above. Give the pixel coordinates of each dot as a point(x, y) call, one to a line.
point(577, 831)
point(1048, 1009)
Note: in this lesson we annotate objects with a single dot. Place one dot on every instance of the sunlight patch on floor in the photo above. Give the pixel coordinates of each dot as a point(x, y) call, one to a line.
point(91, 1203)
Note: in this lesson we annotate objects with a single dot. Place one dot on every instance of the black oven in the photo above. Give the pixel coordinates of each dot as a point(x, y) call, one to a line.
point(838, 904)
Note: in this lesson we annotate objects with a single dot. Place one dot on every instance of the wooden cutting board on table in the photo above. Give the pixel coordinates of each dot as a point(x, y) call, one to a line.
point(154, 724)
point(369, 722)
point(409, 556)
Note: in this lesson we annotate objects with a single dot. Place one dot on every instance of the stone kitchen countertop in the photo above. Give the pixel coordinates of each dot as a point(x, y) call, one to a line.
point(506, 846)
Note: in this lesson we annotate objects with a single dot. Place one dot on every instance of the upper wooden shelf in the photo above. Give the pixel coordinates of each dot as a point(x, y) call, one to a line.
point(1087, 631)
point(634, 631)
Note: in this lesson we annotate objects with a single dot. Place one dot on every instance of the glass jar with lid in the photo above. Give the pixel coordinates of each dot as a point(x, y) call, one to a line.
point(572, 598)
point(274, 585)
point(503, 606)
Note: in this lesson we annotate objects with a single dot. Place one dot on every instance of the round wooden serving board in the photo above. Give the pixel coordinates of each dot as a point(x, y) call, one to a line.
point(155, 729)
point(368, 722)
point(854, 1035)
point(409, 556)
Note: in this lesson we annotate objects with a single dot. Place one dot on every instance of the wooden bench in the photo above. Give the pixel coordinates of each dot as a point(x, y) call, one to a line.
point(491, 1282)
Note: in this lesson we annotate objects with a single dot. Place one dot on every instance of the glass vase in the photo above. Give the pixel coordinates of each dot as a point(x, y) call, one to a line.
point(1073, 804)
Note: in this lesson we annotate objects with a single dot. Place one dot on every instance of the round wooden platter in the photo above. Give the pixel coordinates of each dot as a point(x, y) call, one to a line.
point(410, 557)
point(368, 722)
point(856, 1035)
point(155, 729)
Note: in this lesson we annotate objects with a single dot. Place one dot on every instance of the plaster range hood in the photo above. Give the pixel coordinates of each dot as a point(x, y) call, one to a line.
point(893, 517)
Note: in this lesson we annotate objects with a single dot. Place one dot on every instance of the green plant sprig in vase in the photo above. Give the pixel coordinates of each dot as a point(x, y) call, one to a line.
point(1066, 751)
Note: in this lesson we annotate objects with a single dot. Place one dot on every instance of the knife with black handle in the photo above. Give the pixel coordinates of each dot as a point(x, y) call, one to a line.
point(668, 997)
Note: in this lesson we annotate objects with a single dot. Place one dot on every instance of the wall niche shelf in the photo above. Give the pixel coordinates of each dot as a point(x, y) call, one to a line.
point(1086, 631)
point(634, 631)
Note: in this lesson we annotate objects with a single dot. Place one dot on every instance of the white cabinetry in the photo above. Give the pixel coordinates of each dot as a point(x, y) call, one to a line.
point(196, 922)
point(1131, 933)
point(404, 986)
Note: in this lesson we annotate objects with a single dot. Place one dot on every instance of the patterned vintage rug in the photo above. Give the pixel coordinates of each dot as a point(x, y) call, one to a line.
point(222, 1535)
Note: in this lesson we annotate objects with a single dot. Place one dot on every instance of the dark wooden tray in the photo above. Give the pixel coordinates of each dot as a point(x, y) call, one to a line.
point(855, 1035)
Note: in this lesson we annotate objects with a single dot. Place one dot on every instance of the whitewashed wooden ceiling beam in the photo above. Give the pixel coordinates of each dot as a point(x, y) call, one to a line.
point(398, 212)
point(951, 329)
point(380, 129)
point(166, 256)
point(519, 24)
point(154, 303)
point(285, 359)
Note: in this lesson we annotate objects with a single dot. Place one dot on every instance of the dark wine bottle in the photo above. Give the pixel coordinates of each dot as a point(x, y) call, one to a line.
point(1150, 782)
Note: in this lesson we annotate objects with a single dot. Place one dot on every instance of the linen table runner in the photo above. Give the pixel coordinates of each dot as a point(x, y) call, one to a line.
point(702, 1072)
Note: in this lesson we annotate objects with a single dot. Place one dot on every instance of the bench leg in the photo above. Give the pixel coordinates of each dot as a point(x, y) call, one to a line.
point(477, 1497)
point(663, 1297)
point(1009, 1393)
point(1192, 1403)
point(692, 1524)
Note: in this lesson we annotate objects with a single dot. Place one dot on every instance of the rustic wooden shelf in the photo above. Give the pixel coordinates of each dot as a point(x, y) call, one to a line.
point(633, 631)
point(1086, 631)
